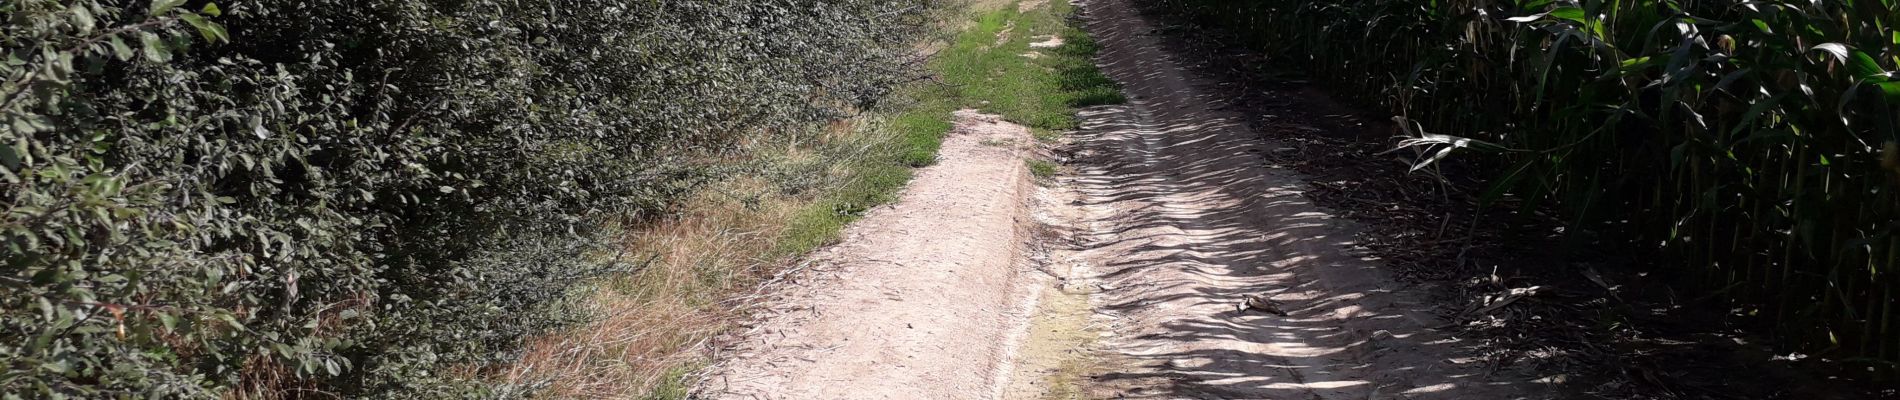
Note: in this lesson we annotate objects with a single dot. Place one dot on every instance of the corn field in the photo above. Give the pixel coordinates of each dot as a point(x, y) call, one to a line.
point(1752, 142)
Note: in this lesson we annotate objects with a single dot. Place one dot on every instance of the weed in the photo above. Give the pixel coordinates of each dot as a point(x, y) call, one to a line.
point(1041, 169)
point(1045, 135)
point(674, 385)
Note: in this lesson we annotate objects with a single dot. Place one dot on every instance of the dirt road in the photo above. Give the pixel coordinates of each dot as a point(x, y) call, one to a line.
point(1169, 220)
point(921, 300)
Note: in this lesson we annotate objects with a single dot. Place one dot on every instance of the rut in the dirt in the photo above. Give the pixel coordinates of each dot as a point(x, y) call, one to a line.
point(1187, 219)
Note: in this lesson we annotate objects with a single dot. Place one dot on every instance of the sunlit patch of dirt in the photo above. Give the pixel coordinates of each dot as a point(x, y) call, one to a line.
point(925, 298)
point(1046, 42)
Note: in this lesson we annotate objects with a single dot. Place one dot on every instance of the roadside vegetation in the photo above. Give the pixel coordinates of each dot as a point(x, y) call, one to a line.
point(795, 193)
point(344, 199)
point(649, 327)
point(1752, 144)
point(992, 67)
point(480, 199)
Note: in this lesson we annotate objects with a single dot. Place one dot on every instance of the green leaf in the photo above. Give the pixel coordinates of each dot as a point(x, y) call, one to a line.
point(1863, 66)
point(9, 157)
point(47, 310)
point(1635, 66)
point(155, 48)
point(1569, 13)
point(211, 9)
point(230, 320)
point(1527, 18)
point(82, 18)
point(160, 7)
point(1755, 111)
point(211, 31)
point(119, 49)
point(1839, 51)
point(1891, 92)
point(30, 123)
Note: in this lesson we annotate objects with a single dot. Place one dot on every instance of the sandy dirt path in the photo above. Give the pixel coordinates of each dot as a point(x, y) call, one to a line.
point(923, 299)
point(1184, 219)
point(1169, 220)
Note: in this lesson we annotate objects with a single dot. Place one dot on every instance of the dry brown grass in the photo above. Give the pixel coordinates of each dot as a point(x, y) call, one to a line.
point(653, 323)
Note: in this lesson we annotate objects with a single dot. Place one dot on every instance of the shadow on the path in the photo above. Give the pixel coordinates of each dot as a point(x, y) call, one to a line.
point(1201, 222)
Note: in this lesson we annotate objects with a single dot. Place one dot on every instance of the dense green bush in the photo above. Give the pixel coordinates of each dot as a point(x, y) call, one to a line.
point(1744, 138)
point(289, 198)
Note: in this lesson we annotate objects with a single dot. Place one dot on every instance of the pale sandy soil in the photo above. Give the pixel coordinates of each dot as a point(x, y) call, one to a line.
point(923, 299)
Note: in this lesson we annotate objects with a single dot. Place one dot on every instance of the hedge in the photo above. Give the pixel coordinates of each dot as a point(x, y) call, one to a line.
point(317, 198)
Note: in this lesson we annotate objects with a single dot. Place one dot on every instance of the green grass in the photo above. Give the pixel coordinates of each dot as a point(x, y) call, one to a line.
point(1045, 135)
point(1042, 93)
point(675, 386)
point(877, 182)
point(1041, 169)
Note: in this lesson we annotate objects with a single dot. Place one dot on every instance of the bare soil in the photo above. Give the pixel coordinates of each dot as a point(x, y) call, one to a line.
point(923, 299)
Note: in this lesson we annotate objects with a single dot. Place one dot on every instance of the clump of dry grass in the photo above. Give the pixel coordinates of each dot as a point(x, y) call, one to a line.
point(651, 322)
